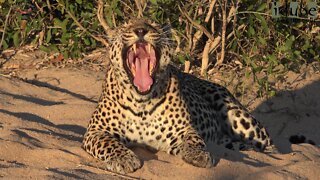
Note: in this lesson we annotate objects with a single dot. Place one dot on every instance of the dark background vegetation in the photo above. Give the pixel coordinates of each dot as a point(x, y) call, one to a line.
point(209, 33)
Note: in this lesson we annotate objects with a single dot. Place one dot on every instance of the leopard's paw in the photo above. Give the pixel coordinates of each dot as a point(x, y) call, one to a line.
point(124, 164)
point(197, 157)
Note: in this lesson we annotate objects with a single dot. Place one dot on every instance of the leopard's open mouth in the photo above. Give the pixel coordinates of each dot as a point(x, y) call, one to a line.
point(141, 62)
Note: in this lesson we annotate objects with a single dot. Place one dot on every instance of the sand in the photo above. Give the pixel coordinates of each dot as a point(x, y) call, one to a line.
point(43, 117)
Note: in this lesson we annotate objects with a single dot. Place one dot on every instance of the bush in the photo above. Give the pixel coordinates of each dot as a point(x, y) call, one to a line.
point(207, 31)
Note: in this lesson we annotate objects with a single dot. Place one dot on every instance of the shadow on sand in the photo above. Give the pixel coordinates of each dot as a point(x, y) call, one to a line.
point(291, 113)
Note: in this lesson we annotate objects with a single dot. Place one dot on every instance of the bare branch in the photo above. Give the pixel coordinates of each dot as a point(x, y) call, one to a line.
point(101, 18)
point(129, 7)
point(232, 13)
point(186, 66)
point(206, 51)
point(224, 29)
point(212, 25)
point(205, 31)
point(215, 43)
point(139, 6)
point(217, 39)
point(233, 32)
point(235, 5)
point(114, 20)
point(220, 39)
point(49, 5)
point(205, 58)
point(199, 33)
point(189, 36)
point(196, 37)
point(213, 2)
point(38, 7)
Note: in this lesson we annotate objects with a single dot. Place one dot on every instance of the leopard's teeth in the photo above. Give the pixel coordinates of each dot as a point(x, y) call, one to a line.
point(134, 46)
point(133, 69)
point(149, 48)
point(151, 68)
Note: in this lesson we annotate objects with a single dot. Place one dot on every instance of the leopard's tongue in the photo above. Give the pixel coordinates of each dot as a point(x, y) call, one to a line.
point(142, 79)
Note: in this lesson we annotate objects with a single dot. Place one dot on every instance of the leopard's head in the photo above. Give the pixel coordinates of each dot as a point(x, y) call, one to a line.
point(140, 53)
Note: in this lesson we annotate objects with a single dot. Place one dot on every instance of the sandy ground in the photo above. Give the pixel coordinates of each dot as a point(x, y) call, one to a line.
point(43, 118)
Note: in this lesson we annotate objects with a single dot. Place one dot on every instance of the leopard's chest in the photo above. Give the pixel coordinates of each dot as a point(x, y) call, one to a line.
point(156, 126)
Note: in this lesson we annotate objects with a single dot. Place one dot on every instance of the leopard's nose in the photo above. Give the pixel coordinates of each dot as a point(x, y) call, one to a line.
point(140, 33)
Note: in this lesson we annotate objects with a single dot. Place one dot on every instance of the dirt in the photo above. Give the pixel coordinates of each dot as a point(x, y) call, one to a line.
point(44, 111)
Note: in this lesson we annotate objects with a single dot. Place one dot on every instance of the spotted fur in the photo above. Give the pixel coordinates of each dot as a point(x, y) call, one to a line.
point(180, 114)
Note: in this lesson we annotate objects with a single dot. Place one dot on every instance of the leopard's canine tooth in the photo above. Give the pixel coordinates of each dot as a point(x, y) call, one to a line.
point(149, 48)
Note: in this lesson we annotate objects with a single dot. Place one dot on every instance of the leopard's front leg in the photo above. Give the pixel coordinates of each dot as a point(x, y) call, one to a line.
point(117, 157)
point(192, 149)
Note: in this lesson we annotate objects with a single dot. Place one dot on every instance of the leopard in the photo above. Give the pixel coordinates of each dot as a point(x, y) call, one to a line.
point(146, 100)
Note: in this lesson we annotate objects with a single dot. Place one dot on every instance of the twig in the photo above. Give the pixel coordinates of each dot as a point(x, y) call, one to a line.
point(199, 33)
point(114, 20)
point(205, 57)
point(103, 41)
point(233, 32)
point(37, 5)
point(139, 6)
point(218, 38)
point(224, 29)
point(125, 4)
point(213, 2)
point(196, 36)
point(49, 5)
point(188, 33)
point(205, 31)
point(211, 46)
point(213, 25)
point(207, 47)
point(215, 43)
point(253, 12)
point(186, 66)
point(100, 17)
point(235, 18)
point(5, 24)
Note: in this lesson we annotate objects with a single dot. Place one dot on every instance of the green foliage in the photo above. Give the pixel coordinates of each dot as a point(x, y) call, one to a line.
point(261, 42)
point(270, 42)
point(61, 33)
